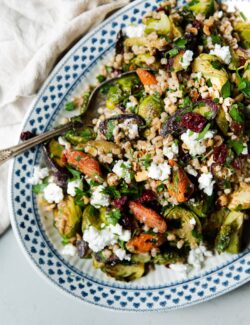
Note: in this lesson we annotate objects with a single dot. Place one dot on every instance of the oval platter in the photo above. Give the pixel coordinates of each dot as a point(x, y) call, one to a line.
point(160, 290)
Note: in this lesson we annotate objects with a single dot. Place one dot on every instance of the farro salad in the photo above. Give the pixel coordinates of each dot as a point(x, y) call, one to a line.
point(162, 176)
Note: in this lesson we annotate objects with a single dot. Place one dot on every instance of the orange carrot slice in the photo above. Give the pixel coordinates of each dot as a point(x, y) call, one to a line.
point(146, 77)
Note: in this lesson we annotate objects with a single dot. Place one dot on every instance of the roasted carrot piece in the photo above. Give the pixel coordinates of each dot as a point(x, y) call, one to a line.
point(181, 187)
point(148, 216)
point(144, 243)
point(146, 77)
point(84, 163)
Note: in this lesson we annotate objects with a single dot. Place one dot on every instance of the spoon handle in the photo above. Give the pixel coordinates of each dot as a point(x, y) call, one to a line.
point(8, 153)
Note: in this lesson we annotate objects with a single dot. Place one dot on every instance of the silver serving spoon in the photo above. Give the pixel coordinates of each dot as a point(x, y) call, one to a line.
point(75, 122)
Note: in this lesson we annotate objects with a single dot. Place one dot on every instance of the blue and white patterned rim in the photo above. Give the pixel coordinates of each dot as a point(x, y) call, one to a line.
point(26, 221)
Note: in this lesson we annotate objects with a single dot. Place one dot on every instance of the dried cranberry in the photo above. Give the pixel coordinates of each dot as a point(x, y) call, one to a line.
point(236, 163)
point(26, 135)
point(220, 154)
point(194, 121)
point(236, 128)
point(82, 248)
point(119, 203)
point(147, 196)
point(162, 9)
point(197, 24)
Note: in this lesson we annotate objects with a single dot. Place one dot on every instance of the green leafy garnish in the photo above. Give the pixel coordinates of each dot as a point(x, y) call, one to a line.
point(173, 52)
point(101, 78)
point(237, 146)
point(244, 87)
point(209, 83)
point(76, 174)
point(203, 132)
point(113, 216)
point(181, 43)
point(70, 106)
point(216, 39)
point(110, 129)
point(38, 188)
point(146, 160)
point(226, 90)
point(236, 114)
point(112, 192)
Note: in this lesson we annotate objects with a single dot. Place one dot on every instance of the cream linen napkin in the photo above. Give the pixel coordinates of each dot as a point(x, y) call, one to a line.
point(33, 34)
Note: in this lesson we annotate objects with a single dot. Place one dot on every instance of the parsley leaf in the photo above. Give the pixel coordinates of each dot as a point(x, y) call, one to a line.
point(70, 106)
point(236, 114)
point(112, 192)
point(216, 39)
point(101, 78)
point(226, 90)
point(236, 145)
point(181, 42)
point(146, 160)
point(110, 129)
point(173, 52)
point(209, 83)
point(38, 188)
point(203, 132)
point(76, 174)
point(113, 216)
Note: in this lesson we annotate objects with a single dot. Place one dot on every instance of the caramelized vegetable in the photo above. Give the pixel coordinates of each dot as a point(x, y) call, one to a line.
point(147, 78)
point(144, 243)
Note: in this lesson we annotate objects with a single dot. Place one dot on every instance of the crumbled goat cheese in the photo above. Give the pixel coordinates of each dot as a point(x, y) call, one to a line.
point(69, 250)
point(180, 269)
point(98, 198)
point(64, 143)
point(159, 172)
point(38, 175)
point(245, 149)
point(134, 30)
point(170, 152)
point(53, 193)
point(190, 170)
point(130, 128)
point(187, 58)
point(197, 257)
point(73, 185)
point(122, 170)
point(195, 146)
point(98, 239)
point(206, 183)
point(197, 75)
point(192, 221)
point(223, 52)
point(121, 254)
point(130, 105)
point(219, 14)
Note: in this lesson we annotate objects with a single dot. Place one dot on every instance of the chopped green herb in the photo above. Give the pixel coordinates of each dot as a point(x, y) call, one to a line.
point(113, 216)
point(146, 160)
point(226, 90)
point(101, 78)
point(216, 100)
point(160, 188)
point(181, 43)
point(209, 83)
point(108, 68)
point(237, 146)
point(236, 114)
point(110, 129)
point(244, 87)
point(75, 173)
point(243, 16)
point(173, 52)
point(85, 98)
point(38, 188)
point(203, 132)
point(112, 192)
point(70, 106)
point(216, 39)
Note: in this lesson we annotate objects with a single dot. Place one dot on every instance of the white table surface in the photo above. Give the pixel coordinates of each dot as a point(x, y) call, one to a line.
point(26, 299)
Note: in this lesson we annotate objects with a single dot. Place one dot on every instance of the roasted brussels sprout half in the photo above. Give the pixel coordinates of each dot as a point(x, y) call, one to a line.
point(141, 61)
point(185, 225)
point(92, 216)
point(212, 224)
point(161, 26)
point(55, 153)
point(67, 216)
point(203, 206)
point(150, 107)
point(205, 7)
point(141, 258)
point(229, 237)
point(122, 271)
point(169, 256)
point(204, 64)
point(243, 28)
point(81, 135)
point(222, 122)
point(107, 126)
point(101, 146)
point(240, 199)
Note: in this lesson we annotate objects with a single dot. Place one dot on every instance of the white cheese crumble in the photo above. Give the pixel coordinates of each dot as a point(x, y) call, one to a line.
point(69, 250)
point(192, 221)
point(130, 128)
point(245, 149)
point(134, 30)
point(53, 193)
point(99, 239)
point(190, 170)
point(121, 254)
point(159, 172)
point(64, 143)
point(98, 198)
point(219, 14)
point(197, 257)
point(73, 185)
point(180, 269)
point(195, 146)
point(206, 183)
point(170, 152)
point(187, 58)
point(38, 175)
point(122, 170)
point(223, 52)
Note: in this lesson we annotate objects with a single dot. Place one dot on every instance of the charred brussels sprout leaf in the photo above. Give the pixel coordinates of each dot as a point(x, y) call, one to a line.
point(222, 122)
point(203, 206)
point(91, 216)
point(114, 96)
point(161, 26)
point(205, 7)
point(81, 135)
point(229, 237)
point(179, 222)
point(67, 217)
point(170, 256)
